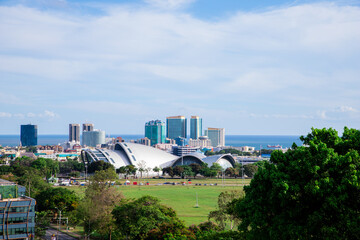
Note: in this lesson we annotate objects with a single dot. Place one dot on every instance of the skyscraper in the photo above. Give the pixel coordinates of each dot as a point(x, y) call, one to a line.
point(28, 135)
point(217, 136)
point(195, 127)
point(88, 127)
point(155, 131)
point(176, 127)
point(74, 132)
point(93, 138)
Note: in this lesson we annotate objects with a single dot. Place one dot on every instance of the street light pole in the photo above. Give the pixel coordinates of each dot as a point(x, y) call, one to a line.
point(59, 227)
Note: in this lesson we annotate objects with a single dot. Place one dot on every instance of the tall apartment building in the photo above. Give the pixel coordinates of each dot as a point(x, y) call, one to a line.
point(217, 136)
point(176, 127)
point(88, 127)
point(28, 135)
point(93, 138)
point(17, 212)
point(155, 131)
point(195, 127)
point(74, 132)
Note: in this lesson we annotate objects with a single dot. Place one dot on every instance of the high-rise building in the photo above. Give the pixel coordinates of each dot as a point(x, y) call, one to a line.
point(155, 131)
point(176, 127)
point(180, 141)
point(88, 127)
point(195, 127)
point(217, 136)
point(93, 138)
point(201, 142)
point(17, 212)
point(28, 135)
point(74, 132)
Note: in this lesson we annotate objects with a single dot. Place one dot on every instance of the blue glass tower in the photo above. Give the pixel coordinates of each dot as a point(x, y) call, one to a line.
point(28, 135)
point(195, 127)
point(176, 127)
point(155, 131)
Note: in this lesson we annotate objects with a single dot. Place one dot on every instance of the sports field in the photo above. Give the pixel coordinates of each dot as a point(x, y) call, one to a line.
point(182, 198)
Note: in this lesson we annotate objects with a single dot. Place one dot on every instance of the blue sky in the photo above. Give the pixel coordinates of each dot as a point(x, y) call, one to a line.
point(252, 67)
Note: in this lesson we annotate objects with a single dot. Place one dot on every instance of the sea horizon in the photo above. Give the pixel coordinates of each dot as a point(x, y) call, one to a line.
point(257, 141)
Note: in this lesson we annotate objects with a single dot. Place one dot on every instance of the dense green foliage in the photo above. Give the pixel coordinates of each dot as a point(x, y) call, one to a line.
point(309, 192)
point(135, 218)
point(222, 216)
point(55, 199)
point(99, 165)
point(94, 211)
point(250, 170)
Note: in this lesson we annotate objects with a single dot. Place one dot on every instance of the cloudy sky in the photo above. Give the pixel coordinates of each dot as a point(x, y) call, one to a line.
point(249, 66)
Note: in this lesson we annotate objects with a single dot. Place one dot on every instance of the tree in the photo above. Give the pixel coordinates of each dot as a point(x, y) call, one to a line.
point(99, 165)
point(196, 168)
point(217, 168)
point(187, 171)
point(250, 170)
point(157, 169)
point(135, 218)
point(179, 171)
point(309, 192)
point(222, 215)
point(207, 172)
point(100, 198)
point(169, 171)
point(33, 182)
point(142, 167)
point(231, 172)
point(42, 222)
point(57, 198)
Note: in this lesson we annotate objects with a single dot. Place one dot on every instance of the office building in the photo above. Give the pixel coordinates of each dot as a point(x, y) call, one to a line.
point(74, 132)
point(28, 135)
point(195, 127)
point(176, 127)
point(201, 142)
point(88, 127)
point(217, 136)
point(93, 138)
point(144, 141)
point(17, 212)
point(183, 150)
point(155, 131)
point(180, 141)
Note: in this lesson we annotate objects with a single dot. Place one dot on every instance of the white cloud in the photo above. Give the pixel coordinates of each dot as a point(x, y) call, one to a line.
point(50, 114)
point(170, 4)
point(346, 109)
point(339, 113)
point(5, 115)
point(31, 115)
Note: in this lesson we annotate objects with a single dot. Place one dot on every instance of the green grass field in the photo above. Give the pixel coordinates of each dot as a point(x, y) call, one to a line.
point(182, 198)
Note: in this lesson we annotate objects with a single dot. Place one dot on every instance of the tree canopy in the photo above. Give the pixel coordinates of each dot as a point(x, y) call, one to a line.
point(311, 191)
point(135, 218)
point(57, 198)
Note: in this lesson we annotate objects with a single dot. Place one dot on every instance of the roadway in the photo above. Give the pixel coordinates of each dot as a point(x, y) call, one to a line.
point(62, 236)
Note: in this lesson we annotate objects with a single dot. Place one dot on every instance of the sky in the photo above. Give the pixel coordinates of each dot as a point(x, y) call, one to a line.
point(252, 67)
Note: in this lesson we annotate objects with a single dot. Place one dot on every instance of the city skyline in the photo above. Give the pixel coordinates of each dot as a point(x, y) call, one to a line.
point(251, 67)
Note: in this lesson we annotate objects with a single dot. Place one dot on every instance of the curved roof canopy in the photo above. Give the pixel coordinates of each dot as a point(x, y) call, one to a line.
point(148, 157)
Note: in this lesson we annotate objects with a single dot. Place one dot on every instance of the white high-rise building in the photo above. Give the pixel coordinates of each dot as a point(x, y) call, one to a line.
point(217, 136)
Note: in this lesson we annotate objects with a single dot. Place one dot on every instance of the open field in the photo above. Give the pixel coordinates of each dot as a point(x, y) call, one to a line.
point(182, 198)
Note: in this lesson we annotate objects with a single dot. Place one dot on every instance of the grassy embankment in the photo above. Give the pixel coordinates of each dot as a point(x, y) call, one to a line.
point(182, 198)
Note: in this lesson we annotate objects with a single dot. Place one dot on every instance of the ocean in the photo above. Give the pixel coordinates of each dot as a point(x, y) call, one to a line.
point(256, 141)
